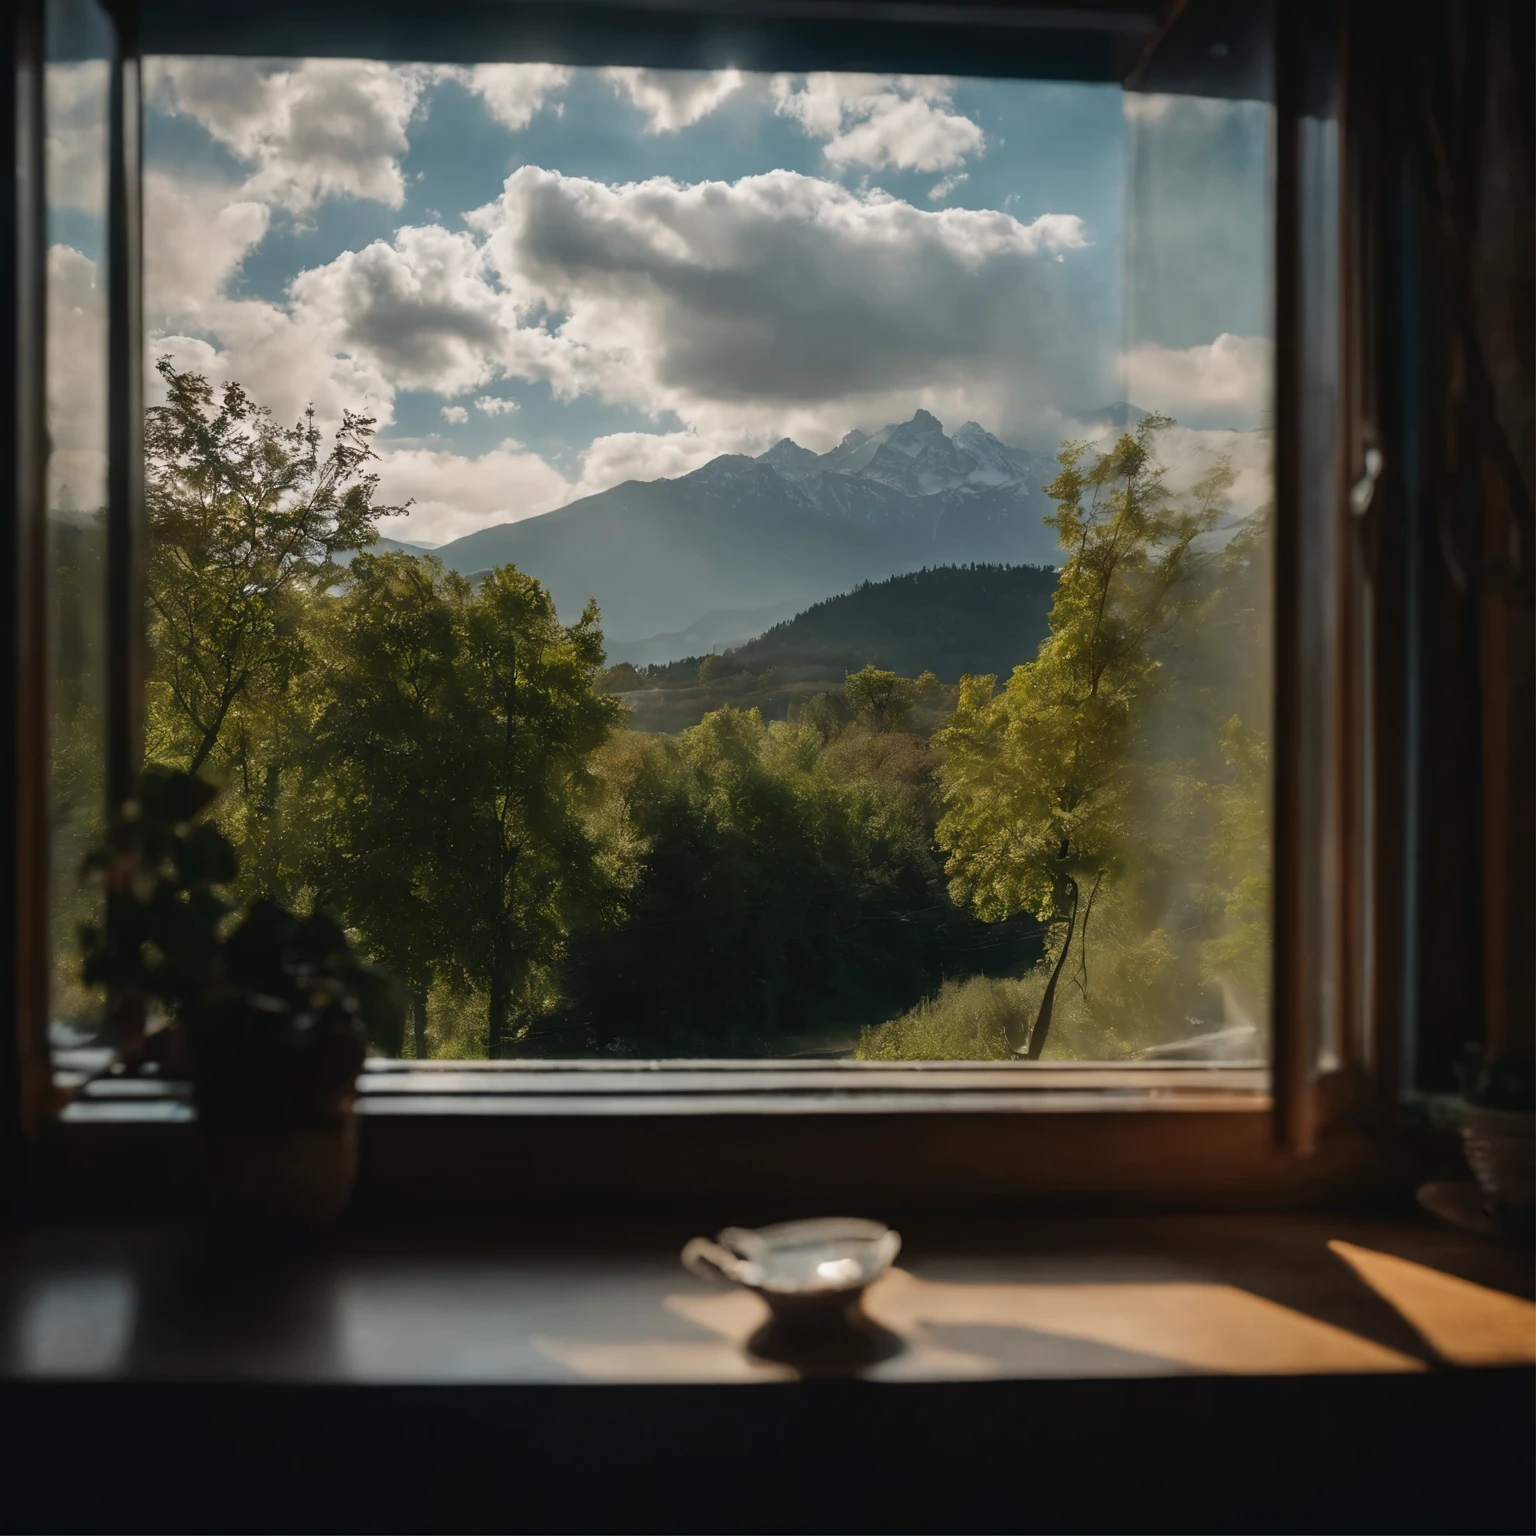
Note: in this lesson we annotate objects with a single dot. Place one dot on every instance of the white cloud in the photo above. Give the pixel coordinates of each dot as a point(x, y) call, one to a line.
point(1226, 382)
point(75, 103)
point(455, 494)
point(494, 405)
point(455, 413)
point(621, 456)
point(513, 93)
point(420, 309)
point(675, 98)
point(309, 130)
point(906, 122)
point(77, 357)
point(941, 189)
point(196, 234)
point(783, 300)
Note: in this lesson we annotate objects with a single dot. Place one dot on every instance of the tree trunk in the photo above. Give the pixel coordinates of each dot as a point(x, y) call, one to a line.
point(419, 1021)
point(500, 999)
point(1048, 1002)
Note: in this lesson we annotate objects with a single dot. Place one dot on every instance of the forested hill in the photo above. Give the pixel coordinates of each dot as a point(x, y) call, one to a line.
point(949, 620)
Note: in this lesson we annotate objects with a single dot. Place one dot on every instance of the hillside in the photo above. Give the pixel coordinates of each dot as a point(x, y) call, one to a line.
point(949, 620)
point(783, 531)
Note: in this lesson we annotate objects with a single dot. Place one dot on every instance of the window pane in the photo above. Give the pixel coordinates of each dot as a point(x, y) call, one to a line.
point(790, 630)
point(1196, 877)
point(76, 104)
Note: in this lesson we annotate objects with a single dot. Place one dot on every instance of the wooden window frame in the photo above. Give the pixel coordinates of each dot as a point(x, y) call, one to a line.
point(1012, 1133)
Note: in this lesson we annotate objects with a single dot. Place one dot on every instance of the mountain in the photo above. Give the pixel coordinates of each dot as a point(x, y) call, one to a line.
point(723, 630)
point(950, 620)
point(784, 530)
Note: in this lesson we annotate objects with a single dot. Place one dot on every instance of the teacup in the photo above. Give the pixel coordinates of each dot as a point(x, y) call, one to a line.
point(813, 1275)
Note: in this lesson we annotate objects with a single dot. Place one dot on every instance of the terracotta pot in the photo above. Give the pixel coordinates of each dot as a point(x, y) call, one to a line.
point(296, 1180)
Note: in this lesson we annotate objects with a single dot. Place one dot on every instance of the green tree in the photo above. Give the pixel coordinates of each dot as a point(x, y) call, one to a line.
point(245, 519)
point(366, 822)
point(450, 776)
point(882, 700)
point(1037, 779)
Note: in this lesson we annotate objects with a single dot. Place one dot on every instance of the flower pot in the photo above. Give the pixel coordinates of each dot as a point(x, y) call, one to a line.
point(296, 1180)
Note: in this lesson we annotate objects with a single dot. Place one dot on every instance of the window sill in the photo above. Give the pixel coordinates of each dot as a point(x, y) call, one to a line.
point(766, 1141)
point(673, 1088)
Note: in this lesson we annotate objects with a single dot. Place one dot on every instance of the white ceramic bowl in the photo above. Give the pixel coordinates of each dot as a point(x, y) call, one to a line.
point(826, 1262)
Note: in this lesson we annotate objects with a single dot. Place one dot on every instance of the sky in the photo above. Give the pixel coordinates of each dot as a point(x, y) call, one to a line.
point(541, 282)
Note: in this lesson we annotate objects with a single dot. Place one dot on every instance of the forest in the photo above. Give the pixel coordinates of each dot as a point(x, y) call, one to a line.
point(1064, 857)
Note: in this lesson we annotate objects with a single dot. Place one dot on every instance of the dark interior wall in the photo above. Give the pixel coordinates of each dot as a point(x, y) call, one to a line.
point(1455, 321)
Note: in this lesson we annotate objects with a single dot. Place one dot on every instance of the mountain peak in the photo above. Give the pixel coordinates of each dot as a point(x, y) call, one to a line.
point(791, 460)
point(926, 420)
point(854, 439)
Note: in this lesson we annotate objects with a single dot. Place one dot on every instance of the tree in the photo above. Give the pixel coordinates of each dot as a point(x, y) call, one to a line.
point(379, 736)
point(245, 519)
point(450, 771)
point(1036, 778)
point(882, 700)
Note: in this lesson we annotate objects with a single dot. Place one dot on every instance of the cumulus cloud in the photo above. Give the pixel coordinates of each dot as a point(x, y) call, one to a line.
point(621, 456)
point(455, 494)
point(420, 308)
point(77, 359)
point(906, 122)
point(494, 405)
point(308, 130)
point(513, 93)
point(75, 103)
point(675, 98)
point(1226, 382)
point(768, 299)
point(456, 414)
point(941, 189)
point(196, 234)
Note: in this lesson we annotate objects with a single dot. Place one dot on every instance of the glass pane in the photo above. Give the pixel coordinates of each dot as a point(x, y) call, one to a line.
point(1194, 887)
point(76, 103)
point(724, 435)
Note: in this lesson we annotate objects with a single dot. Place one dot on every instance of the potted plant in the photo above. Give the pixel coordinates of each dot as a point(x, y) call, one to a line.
point(1498, 1134)
point(267, 1013)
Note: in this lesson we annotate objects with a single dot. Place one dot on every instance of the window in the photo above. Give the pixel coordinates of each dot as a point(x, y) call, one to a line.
point(338, 248)
point(781, 373)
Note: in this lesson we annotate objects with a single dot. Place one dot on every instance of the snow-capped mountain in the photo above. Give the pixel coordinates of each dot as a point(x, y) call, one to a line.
point(790, 526)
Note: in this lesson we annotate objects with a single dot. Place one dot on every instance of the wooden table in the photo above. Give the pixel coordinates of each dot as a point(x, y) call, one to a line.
point(1188, 1373)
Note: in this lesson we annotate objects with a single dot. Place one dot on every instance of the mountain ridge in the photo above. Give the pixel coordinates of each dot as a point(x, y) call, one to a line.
point(788, 526)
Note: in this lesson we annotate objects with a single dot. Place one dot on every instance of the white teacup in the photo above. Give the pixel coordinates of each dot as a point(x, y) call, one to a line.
point(797, 1267)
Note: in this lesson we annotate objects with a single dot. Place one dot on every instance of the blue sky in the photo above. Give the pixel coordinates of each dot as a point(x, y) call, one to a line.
point(543, 281)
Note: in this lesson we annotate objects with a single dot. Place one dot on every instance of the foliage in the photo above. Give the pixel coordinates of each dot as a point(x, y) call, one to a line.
point(279, 1034)
point(1239, 893)
point(447, 775)
point(783, 888)
point(271, 1016)
point(246, 519)
point(1038, 779)
point(162, 866)
point(943, 622)
point(829, 840)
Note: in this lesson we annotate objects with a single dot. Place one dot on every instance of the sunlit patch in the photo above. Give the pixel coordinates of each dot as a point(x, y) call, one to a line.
point(1464, 1323)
